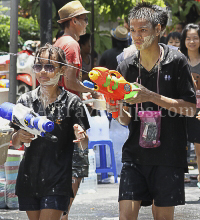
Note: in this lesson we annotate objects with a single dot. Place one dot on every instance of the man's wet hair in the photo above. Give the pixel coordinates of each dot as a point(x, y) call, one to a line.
point(144, 10)
point(162, 14)
point(51, 50)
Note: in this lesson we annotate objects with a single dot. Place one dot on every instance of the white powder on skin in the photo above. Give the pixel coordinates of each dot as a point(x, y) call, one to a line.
point(44, 91)
point(53, 81)
point(147, 42)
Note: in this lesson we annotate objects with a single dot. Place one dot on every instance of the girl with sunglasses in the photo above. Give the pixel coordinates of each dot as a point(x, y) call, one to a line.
point(44, 182)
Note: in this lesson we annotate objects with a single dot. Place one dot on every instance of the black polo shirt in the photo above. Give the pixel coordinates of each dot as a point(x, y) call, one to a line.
point(174, 82)
point(46, 168)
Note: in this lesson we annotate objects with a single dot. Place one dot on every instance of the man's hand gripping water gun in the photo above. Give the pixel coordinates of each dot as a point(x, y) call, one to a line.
point(28, 120)
point(113, 85)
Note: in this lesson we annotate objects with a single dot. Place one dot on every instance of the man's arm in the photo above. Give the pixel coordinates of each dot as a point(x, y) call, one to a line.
point(72, 83)
point(175, 105)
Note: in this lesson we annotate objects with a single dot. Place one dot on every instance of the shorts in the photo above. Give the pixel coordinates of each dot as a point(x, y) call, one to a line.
point(164, 185)
point(56, 202)
point(80, 162)
point(193, 129)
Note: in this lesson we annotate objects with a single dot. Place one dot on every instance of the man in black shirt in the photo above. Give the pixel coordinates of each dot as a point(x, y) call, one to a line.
point(154, 175)
point(119, 42)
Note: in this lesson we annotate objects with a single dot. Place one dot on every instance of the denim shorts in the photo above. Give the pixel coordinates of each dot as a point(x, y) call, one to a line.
point(161, 184)
point(56, 202)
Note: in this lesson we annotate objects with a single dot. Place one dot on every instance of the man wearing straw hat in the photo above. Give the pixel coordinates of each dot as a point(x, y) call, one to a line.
point(73, 19)
point(119, 42)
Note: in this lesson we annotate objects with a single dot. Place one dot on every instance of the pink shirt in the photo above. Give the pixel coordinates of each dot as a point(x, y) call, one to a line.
point(73, 56)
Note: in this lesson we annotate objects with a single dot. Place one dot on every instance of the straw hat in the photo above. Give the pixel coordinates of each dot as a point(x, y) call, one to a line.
point(70, 10)
point(120, 33)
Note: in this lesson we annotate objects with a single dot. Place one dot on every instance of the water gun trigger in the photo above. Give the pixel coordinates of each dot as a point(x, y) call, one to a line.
point(113, 103)
point(115, 114)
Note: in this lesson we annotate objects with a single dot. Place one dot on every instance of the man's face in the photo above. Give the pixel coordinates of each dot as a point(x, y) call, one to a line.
point(86, 47)
point(143, 33)
point(82, 24)
point(179, 28)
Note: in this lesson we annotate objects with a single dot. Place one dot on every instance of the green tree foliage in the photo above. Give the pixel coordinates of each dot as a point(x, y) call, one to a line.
point(110, 10)
point(28, 27)
point(187, 11)
point(104, 10)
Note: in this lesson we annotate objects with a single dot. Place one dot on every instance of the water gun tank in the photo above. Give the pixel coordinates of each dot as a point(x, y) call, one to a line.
point(6, 110)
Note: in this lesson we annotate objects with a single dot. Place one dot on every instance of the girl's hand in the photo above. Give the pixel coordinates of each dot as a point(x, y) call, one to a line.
point(87, 96)
point(79, 133)
point(198, 116)
point(24, 136)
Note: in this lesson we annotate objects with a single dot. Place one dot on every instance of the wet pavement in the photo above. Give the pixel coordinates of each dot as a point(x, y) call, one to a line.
point(103, 204)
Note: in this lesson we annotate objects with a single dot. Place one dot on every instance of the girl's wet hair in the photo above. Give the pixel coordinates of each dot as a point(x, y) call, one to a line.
point(145, 11)
point(188, 27)
point(60, 54)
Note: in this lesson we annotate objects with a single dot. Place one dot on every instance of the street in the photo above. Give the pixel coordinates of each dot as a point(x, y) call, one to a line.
point(103, 205)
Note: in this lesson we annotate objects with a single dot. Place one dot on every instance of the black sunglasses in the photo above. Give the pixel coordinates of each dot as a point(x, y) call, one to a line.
point(50, 68)
point(85, 19)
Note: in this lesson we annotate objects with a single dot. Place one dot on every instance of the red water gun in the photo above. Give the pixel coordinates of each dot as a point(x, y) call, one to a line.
point(112, 84)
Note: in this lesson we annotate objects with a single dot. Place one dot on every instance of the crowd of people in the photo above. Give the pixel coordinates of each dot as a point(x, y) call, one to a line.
point(162, 116)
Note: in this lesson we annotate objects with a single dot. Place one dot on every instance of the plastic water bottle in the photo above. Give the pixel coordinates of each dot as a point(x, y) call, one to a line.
point(89, 184)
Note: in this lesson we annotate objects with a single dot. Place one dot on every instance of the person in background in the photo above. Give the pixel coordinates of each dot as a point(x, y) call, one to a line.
point(85, 45)
point(174, 39)
point(73, 20)
point(154, 174)
point(119, 42)
point(126, 25)
point(44, 181)
point(190, 47)
point(59, 34)
point(179, 27)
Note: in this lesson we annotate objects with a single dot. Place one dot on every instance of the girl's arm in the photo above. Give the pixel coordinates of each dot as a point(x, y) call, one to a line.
point(81, 137)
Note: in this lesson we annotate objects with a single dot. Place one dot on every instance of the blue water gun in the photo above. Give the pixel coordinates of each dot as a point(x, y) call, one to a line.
point(27, 119)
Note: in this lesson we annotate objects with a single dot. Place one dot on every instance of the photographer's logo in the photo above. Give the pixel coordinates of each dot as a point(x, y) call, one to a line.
point(167, 77)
